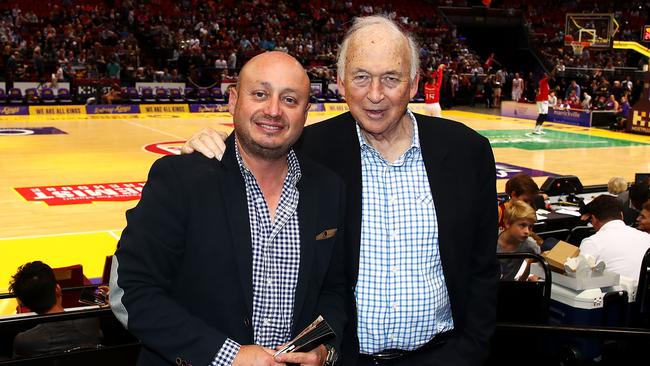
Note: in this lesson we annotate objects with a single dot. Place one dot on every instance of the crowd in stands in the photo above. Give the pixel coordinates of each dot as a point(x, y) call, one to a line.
point(204, 43)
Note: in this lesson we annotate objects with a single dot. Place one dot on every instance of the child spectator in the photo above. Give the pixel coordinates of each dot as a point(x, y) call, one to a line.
point(519, 218)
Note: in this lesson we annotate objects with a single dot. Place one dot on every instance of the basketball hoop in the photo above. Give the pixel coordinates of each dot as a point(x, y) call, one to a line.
point(578, 47)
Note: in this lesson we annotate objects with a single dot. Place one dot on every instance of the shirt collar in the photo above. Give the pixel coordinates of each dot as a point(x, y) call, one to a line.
point(293, 172)
point(415, 142)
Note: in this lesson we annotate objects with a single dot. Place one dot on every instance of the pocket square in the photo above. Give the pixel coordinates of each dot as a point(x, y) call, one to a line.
point(326, 234)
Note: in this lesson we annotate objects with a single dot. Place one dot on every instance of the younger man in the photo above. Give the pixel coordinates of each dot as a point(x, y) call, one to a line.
point(35, 287)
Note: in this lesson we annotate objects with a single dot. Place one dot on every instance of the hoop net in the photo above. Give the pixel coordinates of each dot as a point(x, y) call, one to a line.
point(578, 47)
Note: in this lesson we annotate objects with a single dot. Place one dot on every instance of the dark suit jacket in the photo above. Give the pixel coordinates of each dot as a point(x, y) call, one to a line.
point(460, 166)
point(182, 276)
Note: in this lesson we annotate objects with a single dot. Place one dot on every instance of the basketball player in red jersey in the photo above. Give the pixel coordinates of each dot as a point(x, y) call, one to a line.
point(542, 103)
point(432, 92)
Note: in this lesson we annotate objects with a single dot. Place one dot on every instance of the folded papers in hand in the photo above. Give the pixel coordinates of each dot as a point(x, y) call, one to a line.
point(315, 334)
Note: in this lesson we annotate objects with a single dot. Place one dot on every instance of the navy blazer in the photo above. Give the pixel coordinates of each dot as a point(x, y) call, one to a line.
point(182, 276)
point(461, 170)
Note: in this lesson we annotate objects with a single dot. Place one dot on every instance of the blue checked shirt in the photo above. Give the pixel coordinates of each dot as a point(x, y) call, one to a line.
point(276, 260)
point(401, 295)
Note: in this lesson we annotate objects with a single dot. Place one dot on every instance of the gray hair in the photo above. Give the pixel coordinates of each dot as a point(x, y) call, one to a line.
point(617, 185)
point(365, 22)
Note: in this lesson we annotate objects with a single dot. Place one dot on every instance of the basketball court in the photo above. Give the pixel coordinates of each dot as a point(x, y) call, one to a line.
point(67, 181)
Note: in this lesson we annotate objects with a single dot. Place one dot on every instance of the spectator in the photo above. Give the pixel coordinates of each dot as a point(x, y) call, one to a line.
point(643, 221)
point(617, 186)
point(236, 300)
point(639, 193)
point(35, 287)
point(519, 218)
point(520, 187)
point(586, 101)
point(618, 245)
point(378, 132)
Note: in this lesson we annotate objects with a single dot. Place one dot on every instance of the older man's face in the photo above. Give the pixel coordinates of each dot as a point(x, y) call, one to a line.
point(376, 84)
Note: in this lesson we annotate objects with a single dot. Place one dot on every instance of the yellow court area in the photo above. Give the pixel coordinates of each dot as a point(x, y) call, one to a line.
point(87, 156)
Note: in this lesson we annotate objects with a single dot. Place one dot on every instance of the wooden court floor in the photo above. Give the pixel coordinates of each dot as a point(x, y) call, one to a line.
point(76, 152)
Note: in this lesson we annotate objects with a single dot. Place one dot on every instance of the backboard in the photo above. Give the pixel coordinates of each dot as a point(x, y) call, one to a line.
point(596, 29)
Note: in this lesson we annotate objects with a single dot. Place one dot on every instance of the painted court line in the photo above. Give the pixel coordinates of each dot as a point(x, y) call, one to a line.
point(110, 232)
point(155, 130)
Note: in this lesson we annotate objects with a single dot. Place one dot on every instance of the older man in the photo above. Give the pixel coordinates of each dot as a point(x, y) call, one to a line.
point(220, 263)
point(424, 273)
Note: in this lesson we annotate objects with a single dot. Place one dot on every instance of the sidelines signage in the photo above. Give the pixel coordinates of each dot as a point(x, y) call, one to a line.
point(112, 108)
point(570, 116)
point(507, 171)
point(164, 108)
point(208, 108)
point(640, 122)
point(336, 107)
point(83, 193)
point(639, 118)
point(56, 110)
point(20, 110)
point(518, 110)
point(317, 107)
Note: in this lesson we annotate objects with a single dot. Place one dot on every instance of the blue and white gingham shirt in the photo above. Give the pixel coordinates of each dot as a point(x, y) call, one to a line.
point(276, 261)
point(401, 295)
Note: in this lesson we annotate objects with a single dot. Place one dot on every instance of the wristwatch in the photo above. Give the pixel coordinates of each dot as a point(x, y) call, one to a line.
point(331, 357)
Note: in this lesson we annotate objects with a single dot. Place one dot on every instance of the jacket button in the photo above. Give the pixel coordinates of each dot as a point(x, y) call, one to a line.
point(247, 322)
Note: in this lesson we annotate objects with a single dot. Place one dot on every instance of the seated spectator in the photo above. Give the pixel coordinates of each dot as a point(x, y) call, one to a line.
point(35, 287)
point(643, 221)
point(520, 187)
point(623, 114)
point(621, 247)
point(639, 193)
point(519, 218)
point(113, 96)
point(617, 186)
point(611, 104)
point(586, 101)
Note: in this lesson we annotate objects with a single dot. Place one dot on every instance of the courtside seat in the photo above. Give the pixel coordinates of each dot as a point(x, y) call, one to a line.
point(217, 95)
point(578, 233)
point(175, 95)
point(31, 96)
point(162, 95)
point(63, 95)
point(118, 346)
point(190, 95)
point(147, 95)
point(15, 96)
point(47, 96)
point(641, 307)
point(133, 95)
point(204, 95)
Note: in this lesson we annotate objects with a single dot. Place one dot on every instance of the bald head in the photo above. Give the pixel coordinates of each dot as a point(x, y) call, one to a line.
point(269, 105)
point(274, 62)
point(378, 31)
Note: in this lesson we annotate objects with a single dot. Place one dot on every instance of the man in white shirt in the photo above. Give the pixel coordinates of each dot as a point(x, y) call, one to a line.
point(621, 247)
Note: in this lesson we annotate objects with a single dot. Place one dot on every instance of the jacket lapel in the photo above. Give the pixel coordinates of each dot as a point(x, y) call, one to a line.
point(307, 216)
point(233, 189)
point(441, 181)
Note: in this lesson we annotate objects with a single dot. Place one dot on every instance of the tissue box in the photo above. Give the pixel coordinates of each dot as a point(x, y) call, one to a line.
point(559, 254)
point(582, 280)
point(587, 279)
